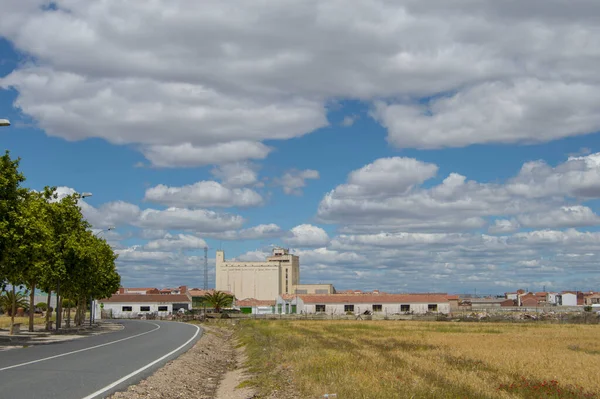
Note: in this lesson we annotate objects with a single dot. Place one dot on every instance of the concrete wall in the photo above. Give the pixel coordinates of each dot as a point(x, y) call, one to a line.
point(417, 308)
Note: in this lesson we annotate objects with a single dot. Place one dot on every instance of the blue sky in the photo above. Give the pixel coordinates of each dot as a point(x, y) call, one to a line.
point(392, 147)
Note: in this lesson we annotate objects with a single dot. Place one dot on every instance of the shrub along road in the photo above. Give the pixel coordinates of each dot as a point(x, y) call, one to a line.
point(95, 366)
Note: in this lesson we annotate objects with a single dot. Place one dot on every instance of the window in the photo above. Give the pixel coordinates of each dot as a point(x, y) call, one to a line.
point(348, 308)
point(322, 291)
point(432, 307)
point(144, 308)
point(127, 308)
point(405, 308)
point(163, 308)
point(377, 308)
point(301, 291)
point(320, 308)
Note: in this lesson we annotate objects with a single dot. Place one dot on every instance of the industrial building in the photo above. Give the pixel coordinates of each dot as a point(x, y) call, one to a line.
point(259, 280)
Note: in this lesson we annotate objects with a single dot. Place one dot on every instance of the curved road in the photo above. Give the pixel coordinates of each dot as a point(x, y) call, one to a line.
point(96, 366)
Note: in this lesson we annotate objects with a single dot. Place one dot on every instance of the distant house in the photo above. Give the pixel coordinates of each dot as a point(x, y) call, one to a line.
point(454, 302)
point(566, 298)
point(592, 298)
point(255, 306)
point(508, 303)
point(135, 305)
point(529, 301)
point(360, 303)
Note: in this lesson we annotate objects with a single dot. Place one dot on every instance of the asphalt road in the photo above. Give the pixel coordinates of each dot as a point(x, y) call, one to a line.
point(96, 366)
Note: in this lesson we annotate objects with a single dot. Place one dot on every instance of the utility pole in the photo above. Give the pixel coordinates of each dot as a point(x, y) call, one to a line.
point(205, 268)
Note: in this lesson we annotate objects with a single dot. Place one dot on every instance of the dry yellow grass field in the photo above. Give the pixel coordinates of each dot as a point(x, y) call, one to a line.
point(406, 359)
point(5, 321)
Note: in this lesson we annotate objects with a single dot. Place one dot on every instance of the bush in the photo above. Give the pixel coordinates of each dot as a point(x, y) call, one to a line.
point(43, 306)
point(587, 308)
point(68, 303)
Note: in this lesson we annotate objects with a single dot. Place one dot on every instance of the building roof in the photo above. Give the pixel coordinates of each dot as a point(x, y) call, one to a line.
point(136, 298)
point(373, 298)
point(253, 302)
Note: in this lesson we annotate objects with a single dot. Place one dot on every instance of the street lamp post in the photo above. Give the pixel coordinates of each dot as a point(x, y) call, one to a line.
point(58, 304)
point(91, 297)
point(4, 122)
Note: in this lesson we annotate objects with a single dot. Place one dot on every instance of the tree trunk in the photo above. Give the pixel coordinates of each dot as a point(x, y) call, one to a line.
point(68, 313)
point(14, 310)
point(48, 312)
point(31, 306)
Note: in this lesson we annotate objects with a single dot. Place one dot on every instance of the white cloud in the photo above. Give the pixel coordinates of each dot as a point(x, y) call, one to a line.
point(504, 226)
point(187, 154)
point(236, 174)
point(390, 194)
point(349, 120)
point(116, 213)
point(386, 176)
point(203, 194)
point(307, 235)
point(565, 216)
point(294, 180)
point(196, 76)
point(529, 110)
point(199, 220)
point(262, 231)
point(176, 242)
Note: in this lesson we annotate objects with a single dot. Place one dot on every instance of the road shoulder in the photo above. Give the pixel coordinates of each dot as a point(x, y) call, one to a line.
point(197, 373)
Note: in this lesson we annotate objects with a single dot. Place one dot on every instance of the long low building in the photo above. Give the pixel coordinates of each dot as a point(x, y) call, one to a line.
point(357, 304)
point(134, 305)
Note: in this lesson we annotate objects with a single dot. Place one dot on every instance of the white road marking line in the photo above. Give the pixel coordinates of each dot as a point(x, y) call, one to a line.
point(79, 350)
point(128, 376)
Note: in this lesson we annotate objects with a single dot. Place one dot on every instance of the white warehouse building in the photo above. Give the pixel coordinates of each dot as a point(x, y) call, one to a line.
point(360, 303)
point(125, 306)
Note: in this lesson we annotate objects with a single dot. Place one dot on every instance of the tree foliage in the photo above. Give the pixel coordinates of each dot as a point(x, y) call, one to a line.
point(218, 300)
point(11, 194)
point(7, 299)
point(45, 242)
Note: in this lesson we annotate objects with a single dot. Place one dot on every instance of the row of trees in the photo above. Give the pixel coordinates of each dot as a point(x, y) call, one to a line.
point(46, 244)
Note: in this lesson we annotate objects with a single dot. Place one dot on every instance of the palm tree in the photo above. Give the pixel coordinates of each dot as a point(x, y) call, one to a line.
point(7, 298)
point(218, 300)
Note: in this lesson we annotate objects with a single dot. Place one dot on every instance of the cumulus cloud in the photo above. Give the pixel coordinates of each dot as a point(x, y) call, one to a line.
point(390, 193)
point(189, 80)
point(205, 194)
point(262, 231)
point(177, 242)
point(529, 110)
point(307, 235)
point(236, 174)
point(293, 181)
point(187, 154)
point(200, 220)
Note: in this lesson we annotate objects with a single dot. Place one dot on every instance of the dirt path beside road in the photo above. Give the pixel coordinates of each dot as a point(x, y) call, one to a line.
point(212, 368)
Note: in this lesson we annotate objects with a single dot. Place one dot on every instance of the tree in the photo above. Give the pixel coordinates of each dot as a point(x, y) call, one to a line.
point(11, 193)
point(218, 300)
point(8, 299)
point(31, 251)
point(67, 225)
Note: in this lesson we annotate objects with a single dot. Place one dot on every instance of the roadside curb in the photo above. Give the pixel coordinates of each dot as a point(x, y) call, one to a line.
point(8, 342)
